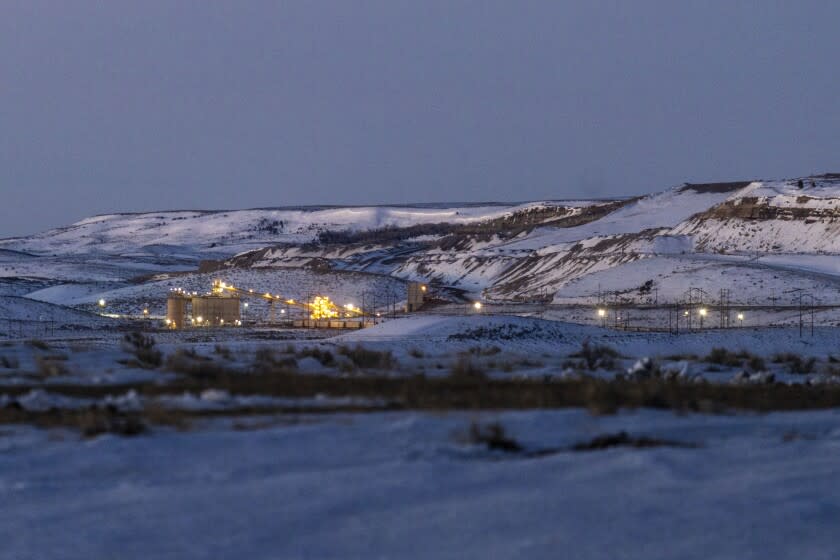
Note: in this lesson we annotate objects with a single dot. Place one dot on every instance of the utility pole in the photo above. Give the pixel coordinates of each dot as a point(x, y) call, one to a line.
point(724, 308)
point(615, 306)
point(800, 313)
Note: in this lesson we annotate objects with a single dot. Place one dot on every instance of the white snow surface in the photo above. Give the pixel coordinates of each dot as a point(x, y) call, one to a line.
point(673, 238)
point(238, 230)
point(405, 485)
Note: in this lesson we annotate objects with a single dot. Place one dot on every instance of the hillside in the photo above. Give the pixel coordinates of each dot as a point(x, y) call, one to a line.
point(758, 239)
point(775, 234)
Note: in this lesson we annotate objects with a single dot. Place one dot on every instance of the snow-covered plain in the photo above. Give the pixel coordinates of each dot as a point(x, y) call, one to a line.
point(407, 485)
point(499, 346)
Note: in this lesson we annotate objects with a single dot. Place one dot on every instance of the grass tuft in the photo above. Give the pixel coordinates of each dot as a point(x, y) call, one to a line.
point(143, 348)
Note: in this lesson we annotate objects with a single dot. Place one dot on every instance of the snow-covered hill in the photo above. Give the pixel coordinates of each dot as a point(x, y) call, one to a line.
point(758, 239)
point(192, 233)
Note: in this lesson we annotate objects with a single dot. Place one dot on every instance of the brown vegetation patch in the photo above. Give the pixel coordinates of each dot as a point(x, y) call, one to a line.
point(623, 439)
point(714, 187)
point(477, 392)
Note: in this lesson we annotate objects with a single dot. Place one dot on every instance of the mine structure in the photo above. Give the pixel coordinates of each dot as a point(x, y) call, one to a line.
point(215, 309)
point(221, 307)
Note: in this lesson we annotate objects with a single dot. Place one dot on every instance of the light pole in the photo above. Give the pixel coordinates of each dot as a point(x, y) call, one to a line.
point(702, 315)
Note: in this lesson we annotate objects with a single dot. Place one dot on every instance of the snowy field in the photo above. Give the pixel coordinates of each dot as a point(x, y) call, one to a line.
point(262, 475)
point(269, 442)
point(408, 485)
point(436, 346)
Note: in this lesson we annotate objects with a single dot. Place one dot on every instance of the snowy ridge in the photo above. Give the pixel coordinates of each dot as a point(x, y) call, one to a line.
point(239, 230)
point(775, 233)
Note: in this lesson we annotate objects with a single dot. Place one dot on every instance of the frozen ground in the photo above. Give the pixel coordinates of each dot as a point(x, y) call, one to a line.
point(263, 480)
point(435, 345)
point(410, 484)
point(407, 485)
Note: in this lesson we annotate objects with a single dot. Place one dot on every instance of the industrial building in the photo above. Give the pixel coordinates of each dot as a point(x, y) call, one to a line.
point(221, 307)
point(416, 296)
point(217, 310)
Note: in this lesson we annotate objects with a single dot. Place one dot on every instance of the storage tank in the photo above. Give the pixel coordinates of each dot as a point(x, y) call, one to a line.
point(416, 296)
point(215, 310)
point(176, 311)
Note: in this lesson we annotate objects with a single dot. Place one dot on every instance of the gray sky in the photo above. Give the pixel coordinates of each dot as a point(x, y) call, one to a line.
point(130, 106)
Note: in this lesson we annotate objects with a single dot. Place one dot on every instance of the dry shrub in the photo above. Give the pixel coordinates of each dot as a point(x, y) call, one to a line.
point(93, 422)
point(795, 363)
point(493, 436)
point(189, 362)
point(466, 369)
point(742, 358)
point(143, 348)
point(158, 415)
point(324, 357)
point(9, 362)
point(599, 356)
point(51, 365)
point(223, 351)
point(623, 439)
point(265, 361)
point(90, 421)
point(38, 344)
point(364, 358)
point(487, 351)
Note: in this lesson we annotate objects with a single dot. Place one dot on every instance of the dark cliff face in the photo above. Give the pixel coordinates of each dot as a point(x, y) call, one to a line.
point(703, 188)
point(755, 208)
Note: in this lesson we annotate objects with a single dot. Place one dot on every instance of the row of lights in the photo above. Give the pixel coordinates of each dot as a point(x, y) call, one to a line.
point(102, 303)
point(702, 311)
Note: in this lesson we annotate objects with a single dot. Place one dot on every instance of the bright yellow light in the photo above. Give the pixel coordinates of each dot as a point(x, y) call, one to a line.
point(268, 295)
point(145, 312)
point(685, 313)
point(323, 308)
point(740, 316)
point(169, 321)
point(423, 288)
point(349, 306)
point(602, 312)
point(477, 305)
point(702, 311)
point(290, 301)
point(101, 303)
point(250, 291)
point(199, 318)
point(246, 305)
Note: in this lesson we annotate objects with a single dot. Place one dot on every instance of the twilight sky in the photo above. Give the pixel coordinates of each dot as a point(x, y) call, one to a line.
point(130, 106)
